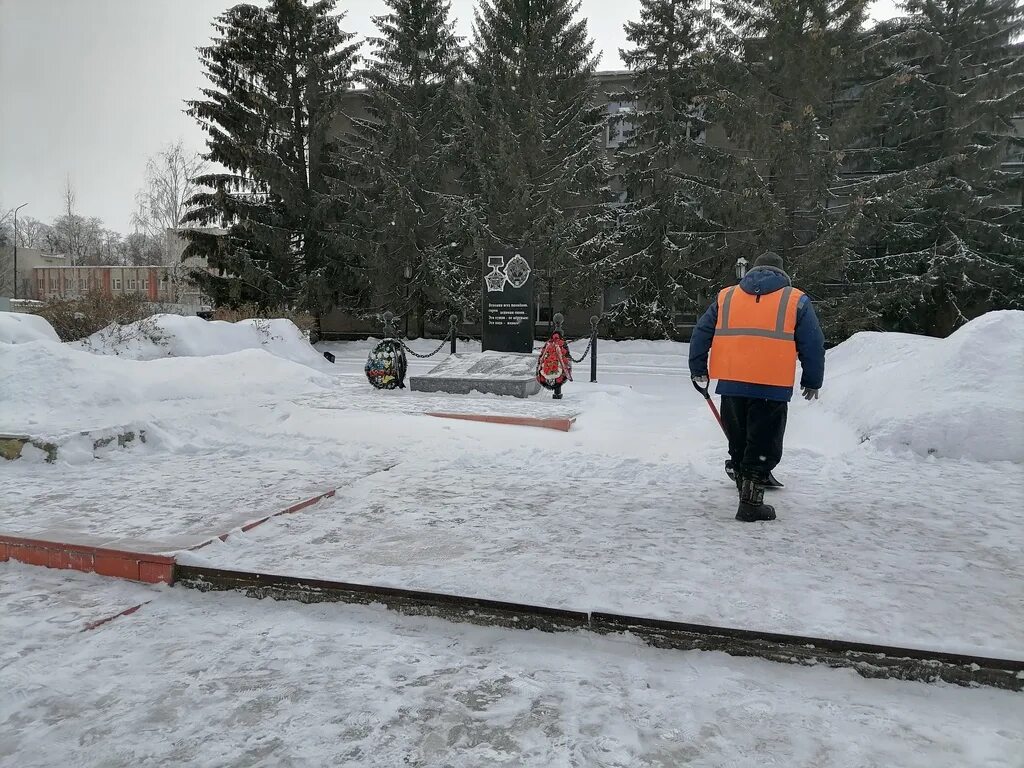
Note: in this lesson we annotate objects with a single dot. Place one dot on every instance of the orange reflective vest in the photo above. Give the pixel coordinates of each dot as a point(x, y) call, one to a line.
point(754, 337)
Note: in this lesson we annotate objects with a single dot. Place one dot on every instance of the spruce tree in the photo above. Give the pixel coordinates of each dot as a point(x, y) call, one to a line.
point(678, 184)
point(957, 250)
point(537, 169)
point(407, 153)
point(800, 87)
point(277, 75)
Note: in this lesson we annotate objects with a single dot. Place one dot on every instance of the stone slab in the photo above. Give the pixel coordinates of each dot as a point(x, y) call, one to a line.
point(491, 373)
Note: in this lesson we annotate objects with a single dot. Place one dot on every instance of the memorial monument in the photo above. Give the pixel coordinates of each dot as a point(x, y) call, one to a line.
point(507, 365)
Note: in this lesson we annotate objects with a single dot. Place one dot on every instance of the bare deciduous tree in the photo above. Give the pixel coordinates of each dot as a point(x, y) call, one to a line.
point(68, 229)
point(169, 183)
point(139, 249)
point(33, 233)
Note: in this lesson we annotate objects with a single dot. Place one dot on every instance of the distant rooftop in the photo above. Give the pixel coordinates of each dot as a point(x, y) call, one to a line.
point(207, 230)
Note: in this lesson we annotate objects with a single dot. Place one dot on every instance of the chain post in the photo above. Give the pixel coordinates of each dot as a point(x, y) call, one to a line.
point(594, 320)
point(453, 321)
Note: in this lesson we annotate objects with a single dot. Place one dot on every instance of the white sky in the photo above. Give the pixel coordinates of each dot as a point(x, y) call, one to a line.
point(90, 88)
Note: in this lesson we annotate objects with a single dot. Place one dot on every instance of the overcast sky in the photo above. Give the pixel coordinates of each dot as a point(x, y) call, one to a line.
point(90, 88)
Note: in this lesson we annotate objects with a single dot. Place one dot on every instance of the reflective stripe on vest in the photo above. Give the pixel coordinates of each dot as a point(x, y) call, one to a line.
point(754, 337)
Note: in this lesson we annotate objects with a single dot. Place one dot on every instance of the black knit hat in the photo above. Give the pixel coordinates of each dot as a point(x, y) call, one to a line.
point(769, 259)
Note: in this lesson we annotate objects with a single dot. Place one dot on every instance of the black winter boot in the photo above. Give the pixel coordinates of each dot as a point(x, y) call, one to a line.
point(752, 507)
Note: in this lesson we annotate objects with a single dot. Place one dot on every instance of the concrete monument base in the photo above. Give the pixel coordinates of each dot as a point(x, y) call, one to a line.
point(492, 373)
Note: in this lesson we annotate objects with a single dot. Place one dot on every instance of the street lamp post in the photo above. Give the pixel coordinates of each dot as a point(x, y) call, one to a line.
point(16, 248)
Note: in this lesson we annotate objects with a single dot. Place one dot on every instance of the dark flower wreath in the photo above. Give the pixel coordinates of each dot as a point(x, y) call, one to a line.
point(387, 365)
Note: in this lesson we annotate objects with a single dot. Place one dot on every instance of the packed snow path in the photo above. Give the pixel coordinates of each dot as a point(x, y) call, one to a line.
point(631, 511)
point(591, 532)
point(216, 679)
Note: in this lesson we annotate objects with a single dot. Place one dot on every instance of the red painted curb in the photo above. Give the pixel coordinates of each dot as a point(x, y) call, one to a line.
point(250, 525)
point(303, 504)
point(561, 424)
point(126, 612)
point(137, 566)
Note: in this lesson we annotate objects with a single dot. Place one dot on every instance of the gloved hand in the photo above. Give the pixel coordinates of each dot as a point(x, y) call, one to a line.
point(701, 381)
point(809, 394)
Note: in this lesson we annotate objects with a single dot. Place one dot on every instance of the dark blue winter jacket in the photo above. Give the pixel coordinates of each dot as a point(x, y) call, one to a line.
point(810, 342)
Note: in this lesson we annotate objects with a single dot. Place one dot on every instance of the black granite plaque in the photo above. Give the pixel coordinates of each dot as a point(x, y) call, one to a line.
point(508, 303)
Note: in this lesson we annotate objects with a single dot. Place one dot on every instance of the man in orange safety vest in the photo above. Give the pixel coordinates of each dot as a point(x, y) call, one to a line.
point(754, 333)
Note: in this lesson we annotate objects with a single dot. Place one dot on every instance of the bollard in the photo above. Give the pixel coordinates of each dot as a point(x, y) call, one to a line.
point(594, 320)
point(452, 328)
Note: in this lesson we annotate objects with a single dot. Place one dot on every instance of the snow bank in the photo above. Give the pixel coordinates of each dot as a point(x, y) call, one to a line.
point(164, 336)
point(46, 387)
point(19, 328)
point(958, 397)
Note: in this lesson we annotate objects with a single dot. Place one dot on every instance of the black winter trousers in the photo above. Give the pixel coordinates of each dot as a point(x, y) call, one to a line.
point(755, 429)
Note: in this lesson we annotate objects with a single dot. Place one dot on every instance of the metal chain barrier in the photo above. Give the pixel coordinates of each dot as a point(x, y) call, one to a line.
point(590, 339)
point(581, 358)
point(390, 332)
point(440, 346)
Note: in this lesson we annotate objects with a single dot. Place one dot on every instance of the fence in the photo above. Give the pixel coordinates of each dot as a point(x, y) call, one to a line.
point(452, 338)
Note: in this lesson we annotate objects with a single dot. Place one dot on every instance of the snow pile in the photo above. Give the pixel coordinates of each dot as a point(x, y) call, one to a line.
point(163, 336)
point(19, 328)
point(957, 398)
point(47, 387)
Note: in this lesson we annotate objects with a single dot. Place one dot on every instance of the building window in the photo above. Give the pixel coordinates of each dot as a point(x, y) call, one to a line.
point(117, 283)
point(696, 130)
point(145, 283)
point(67, 283)
point(131, 283)
point(620, 128)
point(614, 294)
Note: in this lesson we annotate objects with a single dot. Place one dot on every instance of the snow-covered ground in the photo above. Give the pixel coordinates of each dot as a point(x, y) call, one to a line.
point(218, 679)
point(904, 535)
point(900, 523)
